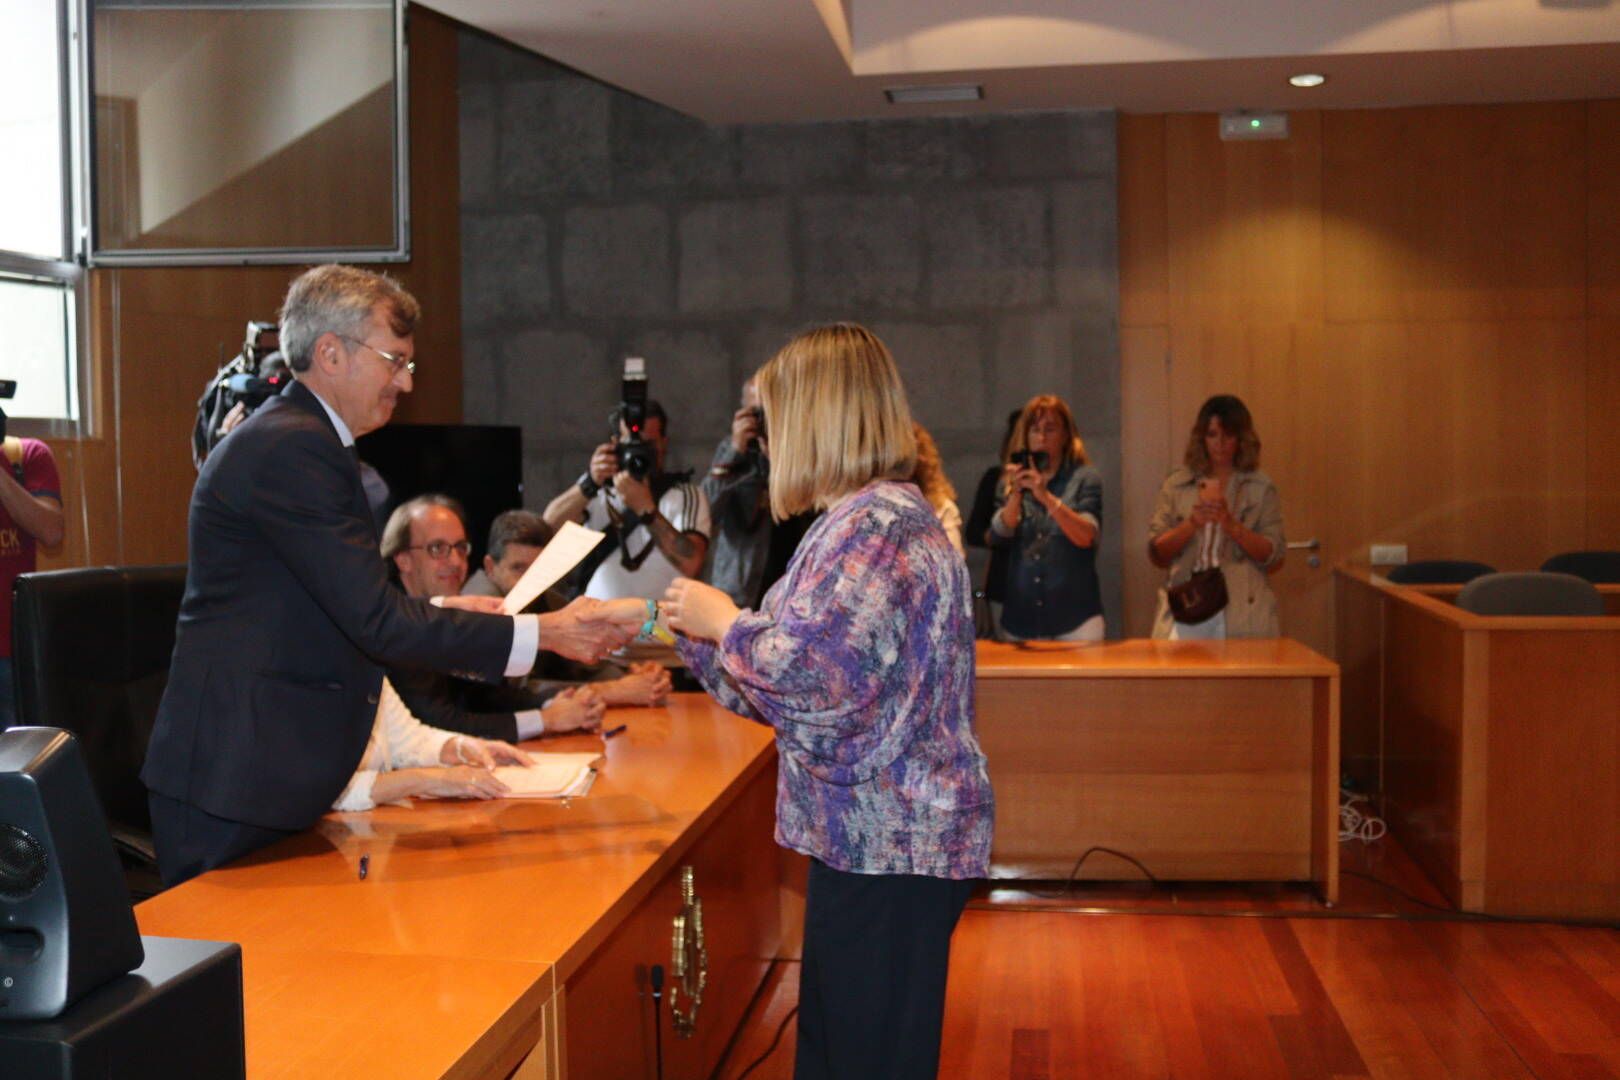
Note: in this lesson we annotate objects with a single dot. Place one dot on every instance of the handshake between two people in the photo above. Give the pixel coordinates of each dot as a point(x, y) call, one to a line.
point(689, 607)
point(587, 629)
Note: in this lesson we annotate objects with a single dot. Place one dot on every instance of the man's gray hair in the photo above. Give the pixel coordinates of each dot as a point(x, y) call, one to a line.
point(340, 300)
point(396, 535)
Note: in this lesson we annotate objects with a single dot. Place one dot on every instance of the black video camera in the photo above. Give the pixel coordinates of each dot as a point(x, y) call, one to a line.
point(8, 390)
point(252, 377)
point(755, 444)
point(635, 454)
point(1031, 459)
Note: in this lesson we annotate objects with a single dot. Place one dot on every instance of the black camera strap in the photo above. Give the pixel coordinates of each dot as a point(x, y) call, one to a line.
point(625, 521)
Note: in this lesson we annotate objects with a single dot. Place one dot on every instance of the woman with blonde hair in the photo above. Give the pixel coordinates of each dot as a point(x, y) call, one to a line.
point(1048, 517)
point(1219, 497)
point(861, 658)
point(930, 478)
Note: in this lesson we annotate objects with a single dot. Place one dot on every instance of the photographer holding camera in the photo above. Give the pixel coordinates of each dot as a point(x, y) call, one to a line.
point(30, 515)
point(657, 522)
point(1047, 519)
point(737, 488)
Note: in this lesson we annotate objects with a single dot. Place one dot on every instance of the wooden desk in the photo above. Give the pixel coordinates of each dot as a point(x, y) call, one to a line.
point(1204, 760)
point(1493, 741)
point(487, 931)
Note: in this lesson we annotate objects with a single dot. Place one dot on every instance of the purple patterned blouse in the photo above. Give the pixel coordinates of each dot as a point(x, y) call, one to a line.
point(861, 658)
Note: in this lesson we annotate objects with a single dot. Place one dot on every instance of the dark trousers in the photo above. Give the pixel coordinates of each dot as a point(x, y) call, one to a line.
point(872, 985)
point(190, 841)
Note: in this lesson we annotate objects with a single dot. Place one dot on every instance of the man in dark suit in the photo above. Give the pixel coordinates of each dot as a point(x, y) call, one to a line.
point(288, 614)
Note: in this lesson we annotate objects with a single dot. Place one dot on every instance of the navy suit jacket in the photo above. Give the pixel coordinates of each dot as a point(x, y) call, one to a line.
point(489, 712)
point(287, 620)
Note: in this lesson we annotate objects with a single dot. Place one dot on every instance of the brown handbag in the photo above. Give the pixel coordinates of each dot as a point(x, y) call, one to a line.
point(1199, 598)
point(1202, 596)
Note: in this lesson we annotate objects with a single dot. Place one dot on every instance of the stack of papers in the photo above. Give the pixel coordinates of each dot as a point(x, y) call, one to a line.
point(552, 776)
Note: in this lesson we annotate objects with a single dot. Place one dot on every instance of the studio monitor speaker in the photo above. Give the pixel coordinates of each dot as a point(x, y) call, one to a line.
point(66, 925)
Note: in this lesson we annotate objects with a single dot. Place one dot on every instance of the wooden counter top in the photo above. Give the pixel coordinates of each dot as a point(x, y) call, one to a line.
point(1145, 659)
point(537, 881)
point(424, 1016)
point(1439, 601)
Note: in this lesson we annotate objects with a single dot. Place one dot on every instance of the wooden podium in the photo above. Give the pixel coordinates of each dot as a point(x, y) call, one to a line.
point(509, 938)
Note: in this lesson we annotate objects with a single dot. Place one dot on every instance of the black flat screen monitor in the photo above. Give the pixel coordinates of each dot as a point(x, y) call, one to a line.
point(482, 466)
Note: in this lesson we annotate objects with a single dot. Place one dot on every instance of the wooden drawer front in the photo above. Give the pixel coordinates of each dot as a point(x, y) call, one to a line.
point(607, 1009)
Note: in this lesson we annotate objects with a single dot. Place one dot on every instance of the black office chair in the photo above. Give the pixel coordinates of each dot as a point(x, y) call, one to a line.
point(91, 651)
point(1598, 567)
point(1438, 572)
point(1530, 593)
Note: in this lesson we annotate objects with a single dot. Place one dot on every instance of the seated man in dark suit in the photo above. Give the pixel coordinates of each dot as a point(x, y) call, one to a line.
point(288, 614)
point(425, 543)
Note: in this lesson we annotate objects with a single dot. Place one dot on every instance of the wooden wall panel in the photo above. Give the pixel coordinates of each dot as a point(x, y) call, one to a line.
point(1425, 731)
point(1244, 223)
point(1603, 433)
point(1422, 308)
point(1445, 431)
point(158, 335)
point(1553, 817)
point(1603, 208)
point(1152, 450)
point(1144, 285)
point(1455, 213)
point(1359, 631)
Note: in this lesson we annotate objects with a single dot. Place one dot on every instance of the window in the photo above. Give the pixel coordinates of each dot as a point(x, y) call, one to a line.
point(39, 282)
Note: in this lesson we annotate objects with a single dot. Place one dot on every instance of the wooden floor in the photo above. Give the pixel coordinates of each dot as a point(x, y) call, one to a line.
point(1100, 982)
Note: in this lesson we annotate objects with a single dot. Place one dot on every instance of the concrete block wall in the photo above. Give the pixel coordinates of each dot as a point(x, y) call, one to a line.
point(597, 225)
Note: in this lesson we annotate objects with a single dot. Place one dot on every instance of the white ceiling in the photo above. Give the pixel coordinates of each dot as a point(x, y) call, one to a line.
point(728, 61)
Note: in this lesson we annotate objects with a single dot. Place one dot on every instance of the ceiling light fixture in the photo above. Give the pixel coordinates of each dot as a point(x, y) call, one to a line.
point(1308, 79)
point(916, 95)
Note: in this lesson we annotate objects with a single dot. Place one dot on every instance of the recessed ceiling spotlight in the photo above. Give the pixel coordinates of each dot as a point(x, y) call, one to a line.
point(1308, 79)
point(913, 95)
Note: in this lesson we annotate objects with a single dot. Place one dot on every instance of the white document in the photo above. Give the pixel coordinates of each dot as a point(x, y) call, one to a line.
point(552, 776)
point(571, 544)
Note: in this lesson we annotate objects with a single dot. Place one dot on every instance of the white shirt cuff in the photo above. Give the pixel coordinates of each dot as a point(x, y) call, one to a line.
point(530, 725)
point(357, 796)
point(1090, 519)
point(525, 645)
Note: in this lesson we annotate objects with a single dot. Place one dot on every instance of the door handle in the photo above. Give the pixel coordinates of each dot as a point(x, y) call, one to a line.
point(1313, 545)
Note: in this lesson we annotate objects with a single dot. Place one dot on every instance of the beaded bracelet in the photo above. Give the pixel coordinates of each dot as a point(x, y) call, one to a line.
point(651, 624)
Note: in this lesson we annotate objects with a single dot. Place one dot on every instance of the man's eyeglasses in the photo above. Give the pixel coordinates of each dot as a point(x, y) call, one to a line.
point(395, 362)
point(439, 549)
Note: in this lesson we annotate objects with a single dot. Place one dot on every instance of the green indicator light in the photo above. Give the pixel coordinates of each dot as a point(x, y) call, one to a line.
point(1254, 123)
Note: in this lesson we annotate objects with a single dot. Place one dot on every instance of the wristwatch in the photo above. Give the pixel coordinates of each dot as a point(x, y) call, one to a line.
point(587, 486)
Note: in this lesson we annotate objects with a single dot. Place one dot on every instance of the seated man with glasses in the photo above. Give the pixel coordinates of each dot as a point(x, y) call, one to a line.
point(425, 544)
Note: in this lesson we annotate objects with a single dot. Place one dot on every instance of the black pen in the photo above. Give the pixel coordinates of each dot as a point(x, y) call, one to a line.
point(365, 866)
point(610, 732)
